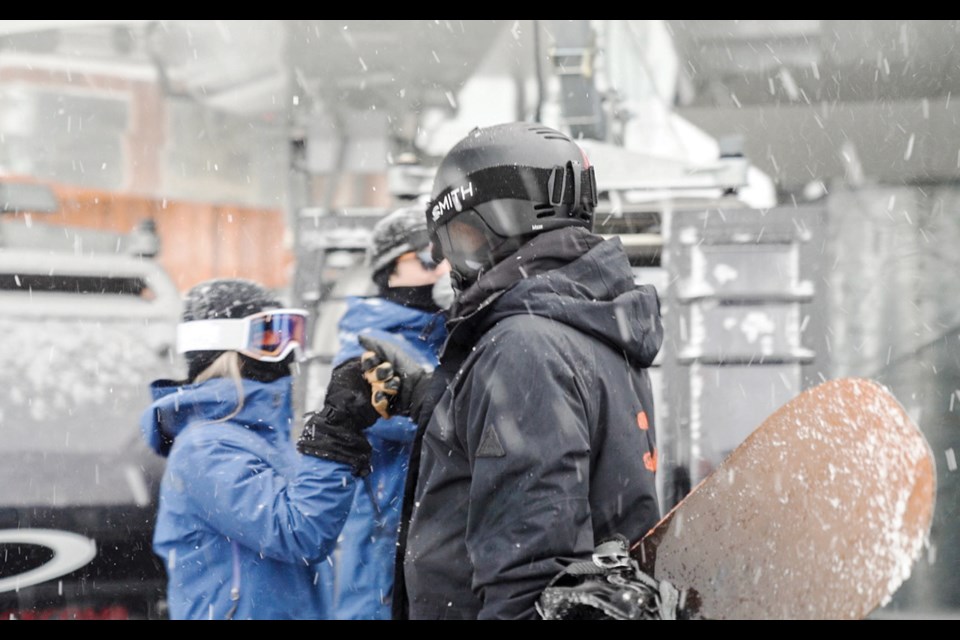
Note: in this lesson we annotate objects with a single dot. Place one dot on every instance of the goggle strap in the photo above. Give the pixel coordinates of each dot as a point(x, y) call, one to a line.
point(568, 184)
point(211, 335)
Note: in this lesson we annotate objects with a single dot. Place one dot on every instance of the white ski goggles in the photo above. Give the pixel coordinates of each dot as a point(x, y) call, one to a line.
point(268, 336)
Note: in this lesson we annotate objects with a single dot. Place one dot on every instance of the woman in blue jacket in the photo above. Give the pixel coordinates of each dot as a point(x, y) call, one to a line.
point(245, 516)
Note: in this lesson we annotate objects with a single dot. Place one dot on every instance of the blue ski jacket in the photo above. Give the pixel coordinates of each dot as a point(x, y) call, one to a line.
point(365, 557)
point(243, 519)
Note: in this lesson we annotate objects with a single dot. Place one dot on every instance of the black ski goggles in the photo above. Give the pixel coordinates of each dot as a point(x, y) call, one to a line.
point(468, 242)
point(569, 185)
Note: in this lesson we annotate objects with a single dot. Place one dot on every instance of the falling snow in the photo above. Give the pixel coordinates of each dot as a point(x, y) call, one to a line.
point(873, 180)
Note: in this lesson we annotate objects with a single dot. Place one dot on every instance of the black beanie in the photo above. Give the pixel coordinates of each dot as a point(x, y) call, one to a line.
point(224, 298)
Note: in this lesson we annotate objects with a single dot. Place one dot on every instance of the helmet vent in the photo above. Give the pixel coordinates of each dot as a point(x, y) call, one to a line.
point(546, 214)
point(549, 134)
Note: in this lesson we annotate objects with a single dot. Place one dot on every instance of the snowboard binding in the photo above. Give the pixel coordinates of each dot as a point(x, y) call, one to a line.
point(611, 586)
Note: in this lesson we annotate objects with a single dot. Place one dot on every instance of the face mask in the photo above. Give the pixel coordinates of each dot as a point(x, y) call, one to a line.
point(443, 292)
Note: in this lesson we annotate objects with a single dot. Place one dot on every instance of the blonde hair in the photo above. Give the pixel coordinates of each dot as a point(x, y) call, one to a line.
point(227, 365)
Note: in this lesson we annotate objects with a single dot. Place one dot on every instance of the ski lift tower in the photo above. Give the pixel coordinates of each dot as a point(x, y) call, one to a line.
point(743, 321)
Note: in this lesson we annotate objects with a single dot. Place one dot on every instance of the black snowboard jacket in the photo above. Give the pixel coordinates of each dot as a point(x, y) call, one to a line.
point(541, 443)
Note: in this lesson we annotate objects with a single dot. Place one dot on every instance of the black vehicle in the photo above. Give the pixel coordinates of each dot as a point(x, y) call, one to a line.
point(81, 336)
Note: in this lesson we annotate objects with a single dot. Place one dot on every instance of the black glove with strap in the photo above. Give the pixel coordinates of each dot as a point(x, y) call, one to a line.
point(336, 431)
point(398, 381)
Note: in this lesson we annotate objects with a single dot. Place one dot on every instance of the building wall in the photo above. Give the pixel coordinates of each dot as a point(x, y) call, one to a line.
point(198, 240)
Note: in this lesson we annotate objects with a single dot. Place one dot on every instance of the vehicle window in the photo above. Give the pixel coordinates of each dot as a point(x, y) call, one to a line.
point(77, 355)
point(132, 286)
point(77, 385)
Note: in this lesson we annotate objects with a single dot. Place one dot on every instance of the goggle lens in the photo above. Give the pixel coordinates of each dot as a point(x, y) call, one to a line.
point(272, 336)
point(425, 256)
point(466, 241)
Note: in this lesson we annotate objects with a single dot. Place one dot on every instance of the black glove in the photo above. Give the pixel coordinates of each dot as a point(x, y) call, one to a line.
point(336, 431)
point(398, 381)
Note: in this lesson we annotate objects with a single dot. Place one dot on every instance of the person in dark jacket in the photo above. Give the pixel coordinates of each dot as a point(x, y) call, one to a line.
point(536, 433)
point(405, 312)
point(244, 518)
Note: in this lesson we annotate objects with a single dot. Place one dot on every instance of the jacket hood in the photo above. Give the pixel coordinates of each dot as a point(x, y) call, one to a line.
point(177, 405)
point(594, 293)
point(422, 330)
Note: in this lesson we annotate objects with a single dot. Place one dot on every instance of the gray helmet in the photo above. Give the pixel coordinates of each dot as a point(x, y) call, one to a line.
point(502, 185)
point(397, 233)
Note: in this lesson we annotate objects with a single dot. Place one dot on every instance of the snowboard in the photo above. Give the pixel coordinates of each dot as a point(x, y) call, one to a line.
point(819, 514)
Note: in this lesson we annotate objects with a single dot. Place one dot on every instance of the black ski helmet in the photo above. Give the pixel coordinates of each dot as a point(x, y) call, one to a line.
point(502, 185)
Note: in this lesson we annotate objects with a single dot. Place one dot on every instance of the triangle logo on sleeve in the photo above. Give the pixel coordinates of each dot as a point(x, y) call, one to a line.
point(490, 446)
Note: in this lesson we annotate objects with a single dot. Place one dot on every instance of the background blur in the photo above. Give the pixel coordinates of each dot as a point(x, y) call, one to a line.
point(791, 187)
